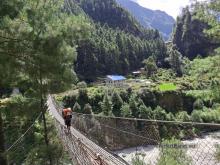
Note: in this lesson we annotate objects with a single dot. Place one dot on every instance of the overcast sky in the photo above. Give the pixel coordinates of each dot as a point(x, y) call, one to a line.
point(172, 7)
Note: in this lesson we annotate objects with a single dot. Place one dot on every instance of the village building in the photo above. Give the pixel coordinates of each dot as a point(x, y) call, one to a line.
point(115, 80)
point(136, 73)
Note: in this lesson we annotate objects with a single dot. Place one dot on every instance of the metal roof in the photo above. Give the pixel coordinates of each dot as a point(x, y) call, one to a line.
point(116, 77)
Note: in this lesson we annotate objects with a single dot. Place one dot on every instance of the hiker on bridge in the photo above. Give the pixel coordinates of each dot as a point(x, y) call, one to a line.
point(67, 116)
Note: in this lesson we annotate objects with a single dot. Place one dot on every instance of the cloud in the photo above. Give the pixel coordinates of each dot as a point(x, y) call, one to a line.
point(172, 7)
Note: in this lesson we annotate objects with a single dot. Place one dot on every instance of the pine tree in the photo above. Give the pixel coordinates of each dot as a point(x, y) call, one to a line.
point(134, 106)
point(87, 109)
point(106, 105)
point(126, 111)
point(145, 112)
point(117, 102)
point(175, 60)
point(77, 108)
point(150, 66)
point(211, 18)
point(39, 40)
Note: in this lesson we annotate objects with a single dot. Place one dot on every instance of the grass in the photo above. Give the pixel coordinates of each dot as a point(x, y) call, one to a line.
point(167, 87)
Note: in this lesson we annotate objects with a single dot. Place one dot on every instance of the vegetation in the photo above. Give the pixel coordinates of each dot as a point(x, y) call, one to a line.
point(189, 36)
point(37, 46)
point(137, 160)
point(47, 47)
point(218, 154)
point(167, 87)
point(173, 153)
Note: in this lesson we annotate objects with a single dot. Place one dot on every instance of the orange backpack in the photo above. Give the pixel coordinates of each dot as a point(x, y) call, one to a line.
point(66, 113)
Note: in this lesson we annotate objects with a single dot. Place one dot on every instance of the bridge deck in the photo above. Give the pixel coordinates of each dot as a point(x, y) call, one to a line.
point(96, 152)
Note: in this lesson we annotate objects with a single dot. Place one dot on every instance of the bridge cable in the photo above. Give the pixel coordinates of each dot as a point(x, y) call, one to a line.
point(24, 134)
point(154, 121)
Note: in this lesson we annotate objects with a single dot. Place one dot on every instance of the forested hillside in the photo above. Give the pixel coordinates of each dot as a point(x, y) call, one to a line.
point(108, 12)
point(117, 44)
point(189, 34)
point(37, 52)
point(148, 18)
point(52, 46)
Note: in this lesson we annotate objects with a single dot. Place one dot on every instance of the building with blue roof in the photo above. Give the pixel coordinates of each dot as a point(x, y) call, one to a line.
point(115, 80)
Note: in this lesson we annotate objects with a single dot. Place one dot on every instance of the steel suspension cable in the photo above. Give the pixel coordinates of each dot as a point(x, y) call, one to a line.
point(154, 121)
point(24, 134)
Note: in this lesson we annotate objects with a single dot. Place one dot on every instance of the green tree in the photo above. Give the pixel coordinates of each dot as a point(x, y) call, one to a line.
point(137, 160)
point(39, 40)
point(87, 109)
point(77, 108)
point(82, 85)
point(173, 155)
point(175, 60)
point(189, 35)
point(150, 66)
point(117, 103)
point(83, 97)
point(159, 113)
point(198, 104)
point(134, 105)
point(126, 111)
point(196, 116)
point(106, 105)
point(183, 116)
point(145, 112)
point(209, 12)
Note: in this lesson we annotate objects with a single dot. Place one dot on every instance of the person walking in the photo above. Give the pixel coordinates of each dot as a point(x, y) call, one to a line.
point(67, 116)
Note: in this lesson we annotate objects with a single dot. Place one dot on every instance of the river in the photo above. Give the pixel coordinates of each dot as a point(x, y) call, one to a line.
point(201, 150)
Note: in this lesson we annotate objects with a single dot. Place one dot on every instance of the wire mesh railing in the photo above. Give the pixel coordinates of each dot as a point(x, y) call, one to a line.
point(153, 142)
point(81, 149)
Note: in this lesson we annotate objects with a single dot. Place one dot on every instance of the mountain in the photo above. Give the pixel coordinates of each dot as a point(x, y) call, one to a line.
point(116, 42)
point(110, 13)
point(155, 19)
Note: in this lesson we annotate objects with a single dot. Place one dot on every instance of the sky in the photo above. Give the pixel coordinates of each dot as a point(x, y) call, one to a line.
point(171, 7)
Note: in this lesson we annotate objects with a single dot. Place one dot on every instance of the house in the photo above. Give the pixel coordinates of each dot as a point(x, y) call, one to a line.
point(115, 80)
point(136, 73)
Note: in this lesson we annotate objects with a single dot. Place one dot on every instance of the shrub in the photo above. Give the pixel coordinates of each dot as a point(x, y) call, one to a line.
point(145, 112)
point(82, 85)
point(196, 116)
point(183, 116)
point(87, 109)
point(198, 104)
point(126, 111)
point(171, 153)
point(137, 160)
point(77, 108)
point(159, 113)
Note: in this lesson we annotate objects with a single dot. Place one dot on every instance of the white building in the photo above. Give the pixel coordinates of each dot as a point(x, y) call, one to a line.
point(115, 80)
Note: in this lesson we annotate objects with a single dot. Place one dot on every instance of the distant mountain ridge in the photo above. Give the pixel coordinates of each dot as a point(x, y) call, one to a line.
point(155, 19)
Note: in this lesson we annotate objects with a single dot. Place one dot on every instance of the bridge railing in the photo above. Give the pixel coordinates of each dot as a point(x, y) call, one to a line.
point(197, 144)
point(82, 150)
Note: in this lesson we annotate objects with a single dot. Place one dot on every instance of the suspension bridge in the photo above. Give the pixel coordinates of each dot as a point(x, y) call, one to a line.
point(94, 139)
point(81, 149)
